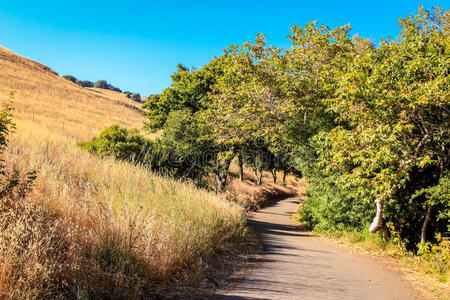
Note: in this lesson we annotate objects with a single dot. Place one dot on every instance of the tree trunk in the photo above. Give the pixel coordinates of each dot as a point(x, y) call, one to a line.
point(199, 178)
point(220, 182)
point(274, 175)
point(222, 175)
point(258, 180)
point(376, 224)
point(284, 178)
point(260, 176)
point(241, 167)
point(423, 235)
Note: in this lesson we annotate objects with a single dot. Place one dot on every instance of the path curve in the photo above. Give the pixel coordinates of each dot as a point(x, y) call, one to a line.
point(296, 265)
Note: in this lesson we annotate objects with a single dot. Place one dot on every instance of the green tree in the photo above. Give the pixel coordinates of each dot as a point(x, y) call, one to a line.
point(257, 156)
point(394, 105)
point(189, 90)
point(185, 142)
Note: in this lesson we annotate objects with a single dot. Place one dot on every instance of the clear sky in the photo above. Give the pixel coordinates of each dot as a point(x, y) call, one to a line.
point(136, 45)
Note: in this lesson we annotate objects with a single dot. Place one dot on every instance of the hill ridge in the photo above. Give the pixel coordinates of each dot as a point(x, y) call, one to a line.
point(46, 99)
point(11, 56)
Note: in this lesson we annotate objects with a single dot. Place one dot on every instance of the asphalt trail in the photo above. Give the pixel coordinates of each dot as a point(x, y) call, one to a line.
point(296, 265)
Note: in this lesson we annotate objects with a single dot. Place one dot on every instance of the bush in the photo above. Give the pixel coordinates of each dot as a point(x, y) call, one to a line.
point(82, 83)
point(120, 143)
point(115, 89)
point(182, 152)
point(135, 97)
point(70, 78)
point(85, 83)
point(101, 84)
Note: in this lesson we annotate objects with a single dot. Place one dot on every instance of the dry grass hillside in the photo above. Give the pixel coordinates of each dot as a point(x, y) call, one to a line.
point(95, 228)
point(49, 100)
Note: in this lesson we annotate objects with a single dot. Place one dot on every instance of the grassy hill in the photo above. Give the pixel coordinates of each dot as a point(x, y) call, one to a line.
point(95, 228)
point(48, 100)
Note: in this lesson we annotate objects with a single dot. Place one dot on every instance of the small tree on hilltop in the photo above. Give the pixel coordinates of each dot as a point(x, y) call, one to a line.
point(136, 97)
point(70, 78)
point(85, 83)
point(101, 84)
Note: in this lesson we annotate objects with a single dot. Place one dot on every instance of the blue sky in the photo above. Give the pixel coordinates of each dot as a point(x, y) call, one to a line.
point(136, 45)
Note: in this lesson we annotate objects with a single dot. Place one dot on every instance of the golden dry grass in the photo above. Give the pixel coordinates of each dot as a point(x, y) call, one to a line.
point(101, 228)
point(61, 106)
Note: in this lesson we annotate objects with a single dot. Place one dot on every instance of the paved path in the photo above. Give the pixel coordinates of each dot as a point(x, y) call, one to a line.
point(298, 266)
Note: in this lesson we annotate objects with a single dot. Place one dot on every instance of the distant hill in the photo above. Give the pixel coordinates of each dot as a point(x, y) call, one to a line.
point(45, 98)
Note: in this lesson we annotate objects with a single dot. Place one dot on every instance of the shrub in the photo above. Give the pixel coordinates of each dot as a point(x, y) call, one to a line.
point(115, 89)
point(120, 143)
point(101, 84)
point(85, 83)
point(135, 97)
point(70, 78)
point(182, 152)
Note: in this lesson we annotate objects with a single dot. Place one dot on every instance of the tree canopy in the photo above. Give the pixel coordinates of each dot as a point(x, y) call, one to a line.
point(368, 125)
point(189, 90)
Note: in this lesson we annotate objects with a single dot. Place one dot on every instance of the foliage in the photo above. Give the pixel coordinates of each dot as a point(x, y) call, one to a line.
point(257, 156)
point(189, 90)
point(70, 78)
point(103, 84)
point(363, 123)
point(437, 255)
point(120, 143)
point(393, 108)
point(85, 83)
point(182, 152)
point(438, 197)
point(82, 83)
point(133, 96)
point(136, 97)
point(189, 150)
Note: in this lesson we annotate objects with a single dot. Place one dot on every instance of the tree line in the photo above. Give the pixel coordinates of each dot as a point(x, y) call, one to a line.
point(367, 124)
point(102, 84)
